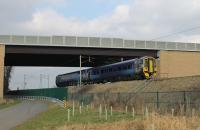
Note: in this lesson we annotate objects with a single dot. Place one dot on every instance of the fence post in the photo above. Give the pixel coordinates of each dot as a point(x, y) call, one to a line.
point(80, 109)
point(73, 107)
point(133, 113)
point(68, 114)
point(157, 98)
point(184, 100)
point(111, 113)
point(100, 111)
point(106, 112)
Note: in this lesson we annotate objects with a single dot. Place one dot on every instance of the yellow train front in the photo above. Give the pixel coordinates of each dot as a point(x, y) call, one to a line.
point(149, 67)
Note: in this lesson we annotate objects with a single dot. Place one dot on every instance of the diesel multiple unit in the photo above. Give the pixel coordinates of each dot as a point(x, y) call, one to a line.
point(142, 68)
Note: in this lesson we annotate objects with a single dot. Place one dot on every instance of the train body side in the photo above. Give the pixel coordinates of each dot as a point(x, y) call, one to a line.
point(126, 70)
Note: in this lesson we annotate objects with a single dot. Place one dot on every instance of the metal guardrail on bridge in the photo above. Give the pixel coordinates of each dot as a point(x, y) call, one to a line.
point(75, 41)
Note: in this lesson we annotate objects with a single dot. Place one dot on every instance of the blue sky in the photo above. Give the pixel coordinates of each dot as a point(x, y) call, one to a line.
point(85, 9)
point(89, 9)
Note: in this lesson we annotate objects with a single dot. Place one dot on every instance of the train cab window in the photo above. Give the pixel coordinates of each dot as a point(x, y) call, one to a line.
point(140, 61)
point(119, 68)
point(146, 62)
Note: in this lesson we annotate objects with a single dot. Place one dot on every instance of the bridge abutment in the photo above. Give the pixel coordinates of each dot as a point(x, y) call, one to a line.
point(2, 55)
point(179, 64)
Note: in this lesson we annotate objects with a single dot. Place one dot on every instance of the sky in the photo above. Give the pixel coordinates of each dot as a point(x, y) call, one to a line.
point(128, 19)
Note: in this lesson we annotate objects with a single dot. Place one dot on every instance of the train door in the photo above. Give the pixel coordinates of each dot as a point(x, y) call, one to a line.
point(136, 66)
point(151, 65)
point(89, 75)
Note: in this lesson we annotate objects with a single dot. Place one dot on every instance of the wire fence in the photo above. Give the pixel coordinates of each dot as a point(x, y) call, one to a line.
point(156, 100)
point(36, 98)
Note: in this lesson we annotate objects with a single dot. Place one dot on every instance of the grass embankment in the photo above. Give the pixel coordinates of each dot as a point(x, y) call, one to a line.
point(4, 103)
point(154, 122)
point(56, 116)
point(190, 83)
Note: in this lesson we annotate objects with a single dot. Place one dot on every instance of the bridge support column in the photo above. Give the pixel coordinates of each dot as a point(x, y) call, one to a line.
point(2, 55)
point(179, 64)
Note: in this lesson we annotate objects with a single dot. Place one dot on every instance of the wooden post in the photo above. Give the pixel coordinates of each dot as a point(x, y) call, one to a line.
point(91, 106)
point(111, 113)
point(158, 102)
point(172, 112)
point(100, 111)
point(73, 109)
point(193, 112)
point(87, 107)
point(133, 113)
point(126, 109)
point(146, 113)
point(68, 115)
point(106, 112)
point(80, 109)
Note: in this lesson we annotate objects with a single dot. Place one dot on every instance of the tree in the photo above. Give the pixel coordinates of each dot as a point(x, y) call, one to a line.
point(7, 77)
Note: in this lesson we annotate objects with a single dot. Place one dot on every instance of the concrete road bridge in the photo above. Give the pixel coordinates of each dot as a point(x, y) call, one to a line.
point(175, 59)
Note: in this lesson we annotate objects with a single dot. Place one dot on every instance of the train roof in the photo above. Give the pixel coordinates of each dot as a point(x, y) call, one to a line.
point(114, 64)
point(118, 63)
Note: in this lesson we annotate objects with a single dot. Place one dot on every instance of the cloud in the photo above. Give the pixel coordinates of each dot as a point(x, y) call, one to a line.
point(138, 19)
point(14, 13)
point(50, 22)
point(141, 19)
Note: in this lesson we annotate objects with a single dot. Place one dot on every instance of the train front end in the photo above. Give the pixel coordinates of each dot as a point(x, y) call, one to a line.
point(149, 67)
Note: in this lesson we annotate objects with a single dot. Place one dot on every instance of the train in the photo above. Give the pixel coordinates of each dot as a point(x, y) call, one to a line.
point(138, 68)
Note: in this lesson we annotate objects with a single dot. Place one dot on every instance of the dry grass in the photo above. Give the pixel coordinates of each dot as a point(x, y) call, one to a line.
point(123, 86)
point(6, 101)
point(154, 122)
point(174, 84)
point(165, 121)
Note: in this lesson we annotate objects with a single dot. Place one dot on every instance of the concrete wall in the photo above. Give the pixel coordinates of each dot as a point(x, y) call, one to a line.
point(179, 64)
point(2, 55)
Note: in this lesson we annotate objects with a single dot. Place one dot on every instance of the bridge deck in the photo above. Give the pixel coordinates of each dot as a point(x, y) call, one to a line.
point(98, 42)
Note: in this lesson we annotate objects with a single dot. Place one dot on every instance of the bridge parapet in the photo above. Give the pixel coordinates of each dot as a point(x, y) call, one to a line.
point(99, 42)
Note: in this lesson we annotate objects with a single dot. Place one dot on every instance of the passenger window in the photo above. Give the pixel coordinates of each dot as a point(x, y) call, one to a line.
point(129, 66)
point(119, 68)
point(124, 67)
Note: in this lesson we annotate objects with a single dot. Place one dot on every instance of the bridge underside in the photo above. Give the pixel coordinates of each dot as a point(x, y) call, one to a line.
point(172, 63)
point(68, 56)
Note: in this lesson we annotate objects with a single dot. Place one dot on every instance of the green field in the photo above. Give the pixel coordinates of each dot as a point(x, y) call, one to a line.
point(56, 116)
